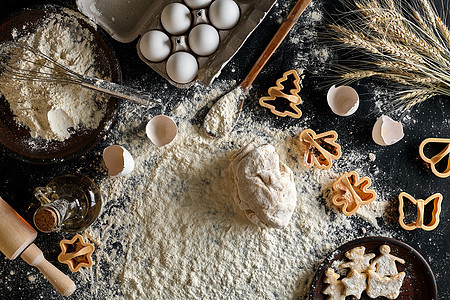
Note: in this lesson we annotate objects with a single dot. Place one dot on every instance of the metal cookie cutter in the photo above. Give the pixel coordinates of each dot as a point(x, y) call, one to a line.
point(433, 161)
point(319, 149)
point(420, 204)
point(351, 192)
point(76, 253)
point(277, 92)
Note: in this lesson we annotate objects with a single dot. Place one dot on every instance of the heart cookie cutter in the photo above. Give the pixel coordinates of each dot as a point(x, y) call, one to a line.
point(420, 204)
point(319, 149)
point(351, 192)
point(277, 92)
point(76, 253)
point(433, 161)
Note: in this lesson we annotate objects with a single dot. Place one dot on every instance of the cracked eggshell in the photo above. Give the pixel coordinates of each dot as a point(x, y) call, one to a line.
point(386, 131)
point(343, 100)
point(161, 130)
point(118, 160)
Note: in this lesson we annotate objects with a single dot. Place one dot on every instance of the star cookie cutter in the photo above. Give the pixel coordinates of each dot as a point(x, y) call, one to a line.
point(351, 192)
point(433, 161)
point(319, 149)
point(420, 204)
point(276, 92)
point(76, 253)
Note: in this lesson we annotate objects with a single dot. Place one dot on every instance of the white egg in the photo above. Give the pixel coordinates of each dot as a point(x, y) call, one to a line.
point(203, 39)
point(182, 67)
point(161, 130)
point(224, 14)
point(196, 4)
point(176, 18)
point(118, 160)
point(343, 100)
point(386, 131)
point(155, 45)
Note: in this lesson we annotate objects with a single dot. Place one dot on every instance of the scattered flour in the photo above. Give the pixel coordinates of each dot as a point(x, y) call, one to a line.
point(33, 103)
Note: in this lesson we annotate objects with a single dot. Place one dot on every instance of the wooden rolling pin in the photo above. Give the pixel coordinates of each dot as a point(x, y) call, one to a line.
point(16, 238)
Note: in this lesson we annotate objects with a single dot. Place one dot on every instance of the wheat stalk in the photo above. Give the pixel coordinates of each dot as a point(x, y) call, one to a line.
point(405, 44)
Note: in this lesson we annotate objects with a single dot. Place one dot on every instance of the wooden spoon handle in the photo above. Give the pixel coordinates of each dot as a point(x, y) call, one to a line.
point(62, 283)
point(275, 42)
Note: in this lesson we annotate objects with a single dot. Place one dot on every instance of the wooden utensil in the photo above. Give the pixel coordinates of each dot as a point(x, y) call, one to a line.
point(16, 238)
point(277, 39)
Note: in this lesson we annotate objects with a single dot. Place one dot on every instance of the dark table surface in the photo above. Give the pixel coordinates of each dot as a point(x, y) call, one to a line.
point(402, 169)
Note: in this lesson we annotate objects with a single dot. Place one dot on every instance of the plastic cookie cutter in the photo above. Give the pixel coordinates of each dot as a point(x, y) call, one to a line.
point(433, 161)
point(351, 192)
point(277, 94)
point(319, 149)
point(76, 253)
point(420, 204)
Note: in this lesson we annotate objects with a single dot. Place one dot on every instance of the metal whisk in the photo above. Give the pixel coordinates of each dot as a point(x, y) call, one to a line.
point(45, 69)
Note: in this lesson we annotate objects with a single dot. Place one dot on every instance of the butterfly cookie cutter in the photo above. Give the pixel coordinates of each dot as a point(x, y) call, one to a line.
point(433, 161)
point(319, 149)
point(420, 204)
point(76, 253)
point(351, 192)
point(277, 92)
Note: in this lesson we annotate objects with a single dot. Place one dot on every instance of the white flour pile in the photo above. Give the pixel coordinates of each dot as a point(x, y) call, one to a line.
point(170, 229)
point(222, 116)
point(48, 110)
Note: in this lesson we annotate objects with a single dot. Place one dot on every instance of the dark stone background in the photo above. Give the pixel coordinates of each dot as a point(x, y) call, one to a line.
point(399, 165)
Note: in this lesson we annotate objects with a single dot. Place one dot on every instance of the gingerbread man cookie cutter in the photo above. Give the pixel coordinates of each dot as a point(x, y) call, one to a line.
point(277, 92)
point(76, 253)
point(319, 149)
point(351, 192)
point(420, 204)
point(433, 161)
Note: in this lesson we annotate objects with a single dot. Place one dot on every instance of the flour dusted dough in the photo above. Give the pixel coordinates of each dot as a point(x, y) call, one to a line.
point(265, 188)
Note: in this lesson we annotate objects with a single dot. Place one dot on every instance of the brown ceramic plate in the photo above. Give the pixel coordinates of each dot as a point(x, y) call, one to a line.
point(419, 283)
point(16, 140)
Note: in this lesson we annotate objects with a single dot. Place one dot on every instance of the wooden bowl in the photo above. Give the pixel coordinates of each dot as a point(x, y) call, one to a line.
point(419, 282)
point(16, 140)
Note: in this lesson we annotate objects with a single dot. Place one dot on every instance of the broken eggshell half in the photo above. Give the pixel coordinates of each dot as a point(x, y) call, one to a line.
point(161, 130)
point(118, 160)
point(343, 100)
point(387, 131)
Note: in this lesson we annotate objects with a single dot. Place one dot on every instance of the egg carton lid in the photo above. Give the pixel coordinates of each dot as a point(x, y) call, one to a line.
point(125, 20)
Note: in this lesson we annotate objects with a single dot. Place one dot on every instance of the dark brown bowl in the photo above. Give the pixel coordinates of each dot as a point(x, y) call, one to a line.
point(16, 140)
point(419, 282)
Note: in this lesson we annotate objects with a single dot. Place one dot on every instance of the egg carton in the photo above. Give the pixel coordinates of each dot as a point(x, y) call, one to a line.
point(126, 20)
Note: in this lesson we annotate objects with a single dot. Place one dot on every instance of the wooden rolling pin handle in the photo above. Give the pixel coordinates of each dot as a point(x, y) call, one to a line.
point(62, 283)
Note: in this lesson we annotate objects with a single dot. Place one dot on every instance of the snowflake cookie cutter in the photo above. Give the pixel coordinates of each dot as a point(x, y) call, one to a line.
point(433, 161)
point(420, 204)
point(76, 253)
point(319, 149)
point(277, 92)
point(351, 192)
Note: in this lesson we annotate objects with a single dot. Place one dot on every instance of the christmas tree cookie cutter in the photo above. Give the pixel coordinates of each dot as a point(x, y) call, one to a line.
point(319, 149)
point(420, 204)
point(76, 253)
point(433, 161)
point(293, 98)
point(351, 192)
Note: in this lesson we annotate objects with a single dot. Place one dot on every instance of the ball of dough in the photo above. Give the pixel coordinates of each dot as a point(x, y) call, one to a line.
point(265, 188)
point(224, 14)
point(182, 67)
point(176, 18)
point(203, 39)
point(196, 4)
point(155, 45)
